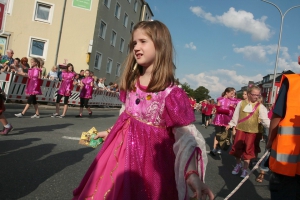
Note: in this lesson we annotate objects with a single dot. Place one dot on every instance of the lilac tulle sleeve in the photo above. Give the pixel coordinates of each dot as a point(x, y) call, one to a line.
point(189, 143)
point(178, 110)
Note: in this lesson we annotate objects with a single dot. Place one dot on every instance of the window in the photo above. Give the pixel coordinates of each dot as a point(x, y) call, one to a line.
point(125, 22)
point(109, 65)
point(107, 3)
point(118, 11)
point(131, 27)
point(43, 12)
point(98, 60)
point(135, 6)
point(102, 29)
point(118, 69)
point(122, 45)
point(38, 47)
point(113, 38)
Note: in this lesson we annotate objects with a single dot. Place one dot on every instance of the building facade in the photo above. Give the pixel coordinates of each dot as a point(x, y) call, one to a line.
point(90, 34)
point(114, 24)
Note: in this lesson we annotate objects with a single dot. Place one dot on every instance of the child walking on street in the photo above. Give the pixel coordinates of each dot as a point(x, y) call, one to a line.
point(65, 90)
point(246, 120)
point(6, 126)
point(86, 93)
point(153, 151)
point(33, 88)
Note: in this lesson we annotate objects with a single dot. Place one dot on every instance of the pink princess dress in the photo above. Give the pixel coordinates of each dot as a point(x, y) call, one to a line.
point(33, 86)
point(223, 112)
point(148, 150)
point(87, 89)
point(66, 86)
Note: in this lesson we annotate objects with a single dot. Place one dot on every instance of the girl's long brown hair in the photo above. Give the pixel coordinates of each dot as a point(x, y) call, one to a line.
point(163, 68)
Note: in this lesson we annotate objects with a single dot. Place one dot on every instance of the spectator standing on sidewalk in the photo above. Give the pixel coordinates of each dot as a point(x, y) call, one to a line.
point(9, 57)
point(65, 90)
point(246, 120)
point(203, 110)
point(86, 93)
point(7, 127)
point(44, 71)
point(284, 141)
point(33, 88)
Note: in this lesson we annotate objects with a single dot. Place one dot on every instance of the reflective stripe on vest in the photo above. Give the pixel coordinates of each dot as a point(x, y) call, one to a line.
point(285, 157)
point(289, 130)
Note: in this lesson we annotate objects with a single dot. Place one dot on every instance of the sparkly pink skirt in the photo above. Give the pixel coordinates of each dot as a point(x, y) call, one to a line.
point(135, 162)
point(221, 120)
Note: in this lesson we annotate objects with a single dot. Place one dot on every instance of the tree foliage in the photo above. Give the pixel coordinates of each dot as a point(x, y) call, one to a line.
point(199, 94)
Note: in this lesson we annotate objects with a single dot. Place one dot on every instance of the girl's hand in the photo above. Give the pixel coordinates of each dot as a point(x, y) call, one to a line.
point(201, 190)
point(102, 134)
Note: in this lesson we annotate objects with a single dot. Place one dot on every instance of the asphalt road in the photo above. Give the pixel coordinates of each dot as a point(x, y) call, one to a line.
point(42, 160)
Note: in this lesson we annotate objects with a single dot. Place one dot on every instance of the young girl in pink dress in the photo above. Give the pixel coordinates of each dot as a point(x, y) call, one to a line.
point(33, 87)
point(86, 93)
point(153, 151)
point(65, 90)
point(223, 116)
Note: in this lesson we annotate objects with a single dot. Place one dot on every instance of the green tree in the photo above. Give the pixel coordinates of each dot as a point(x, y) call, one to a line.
point(186, 87)
point(201, 93)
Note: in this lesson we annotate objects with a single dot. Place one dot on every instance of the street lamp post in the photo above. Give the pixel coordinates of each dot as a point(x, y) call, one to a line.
point(273, 94)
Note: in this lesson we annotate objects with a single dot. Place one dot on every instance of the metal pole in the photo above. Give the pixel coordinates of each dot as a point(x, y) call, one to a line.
point(273, 93)
point(60, 32)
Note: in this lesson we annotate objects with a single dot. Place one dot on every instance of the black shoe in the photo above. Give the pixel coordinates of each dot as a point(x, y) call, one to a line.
point(212, 153)
point(78, 116)
point(90, 114)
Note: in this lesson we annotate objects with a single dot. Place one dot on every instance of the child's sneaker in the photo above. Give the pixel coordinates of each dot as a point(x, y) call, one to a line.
point(244, 173)
point(219, 152)
point(61, 116)
point(19, 115)
point(237, 169)
point(54, 115)
point(35, 116)
point(213, 152)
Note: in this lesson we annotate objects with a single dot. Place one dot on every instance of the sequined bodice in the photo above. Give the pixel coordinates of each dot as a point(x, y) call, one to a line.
point(68, 75)
point(33, 73)
point(147, 107)
point(224, 102)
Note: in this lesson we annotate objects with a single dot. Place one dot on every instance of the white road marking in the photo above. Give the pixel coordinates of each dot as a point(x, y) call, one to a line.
point(71, 138)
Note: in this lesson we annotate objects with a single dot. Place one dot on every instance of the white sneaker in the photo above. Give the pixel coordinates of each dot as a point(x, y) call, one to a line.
point(54, 115)
point(244, 173)
point(35, 116)
point(203, 125)
point(237, 169)
point(219, 151)
point(19, 115)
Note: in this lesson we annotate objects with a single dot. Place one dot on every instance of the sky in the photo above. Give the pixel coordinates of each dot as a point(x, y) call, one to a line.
point(226, 43)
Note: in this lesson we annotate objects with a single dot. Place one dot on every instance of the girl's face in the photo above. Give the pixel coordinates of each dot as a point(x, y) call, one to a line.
point(254, 95)
point(144, 49)
point(230, 94)
point(86, 73)
point(33, 63)
point(70, 68)
point(245, 97)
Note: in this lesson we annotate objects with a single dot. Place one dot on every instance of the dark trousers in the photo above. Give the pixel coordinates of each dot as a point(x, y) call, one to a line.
point(203, 118)
point(284, 187)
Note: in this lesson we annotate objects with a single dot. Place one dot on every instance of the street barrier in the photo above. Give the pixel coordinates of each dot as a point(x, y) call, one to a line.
point(14, 85)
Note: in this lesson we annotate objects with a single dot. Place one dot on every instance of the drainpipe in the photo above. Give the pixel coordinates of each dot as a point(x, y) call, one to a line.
point(60, 32)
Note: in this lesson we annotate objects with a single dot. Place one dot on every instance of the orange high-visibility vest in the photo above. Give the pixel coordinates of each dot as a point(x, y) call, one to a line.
point(285, 152)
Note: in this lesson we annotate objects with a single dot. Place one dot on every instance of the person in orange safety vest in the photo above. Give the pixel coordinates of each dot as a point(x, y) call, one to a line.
point(284, 141)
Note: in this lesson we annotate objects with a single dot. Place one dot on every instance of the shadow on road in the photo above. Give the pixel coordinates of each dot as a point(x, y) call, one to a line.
point(23, 170)
point(47, 128)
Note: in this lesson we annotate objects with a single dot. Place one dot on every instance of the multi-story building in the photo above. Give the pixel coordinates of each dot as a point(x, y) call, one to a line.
point(88, 33)
point(114, 24)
